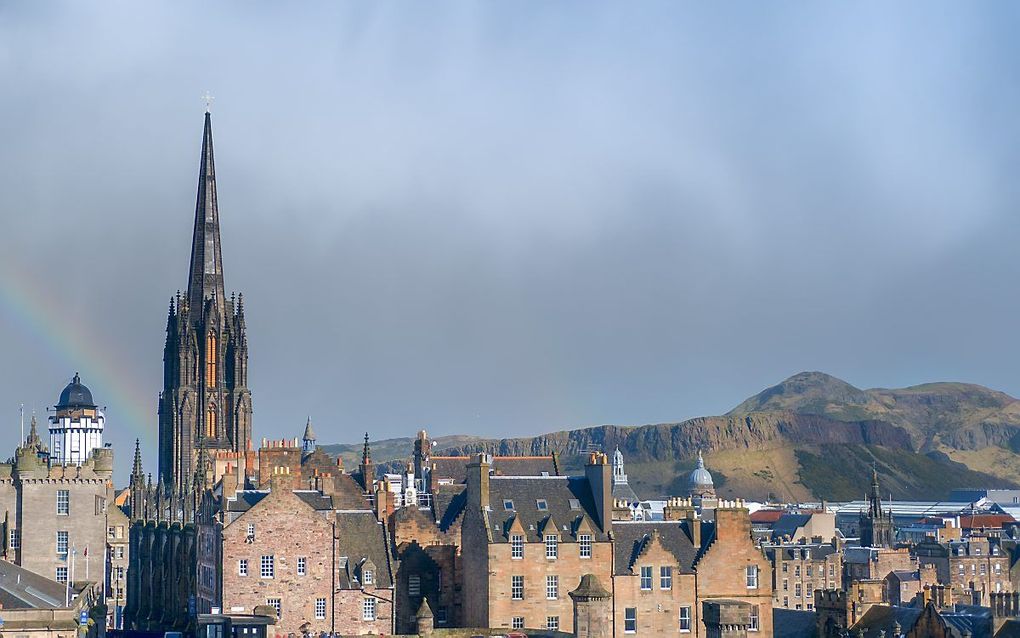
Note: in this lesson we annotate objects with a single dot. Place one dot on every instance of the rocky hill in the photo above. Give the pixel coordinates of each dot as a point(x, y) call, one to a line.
point(812, 436)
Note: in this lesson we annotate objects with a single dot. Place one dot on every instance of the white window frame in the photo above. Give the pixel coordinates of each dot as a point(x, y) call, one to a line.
point(516, 587)
point(63, 542)
point(277, 604)
point(584, 545)
point(552, 623)
point(368, 609)
point(63, 502)
point(646, 577)
point(630, 620)
point(302, 565)
point(552, 587)
point(320, 608)
point(552, 546)
point(755, 624)
point(685, 620)
point(15, 539)
point(516, 546)
point(61, 576)
point(367, 577)
point(242, 567)
point(517, 622)
point(267, 566)
point(665, 577)
point(751, 576)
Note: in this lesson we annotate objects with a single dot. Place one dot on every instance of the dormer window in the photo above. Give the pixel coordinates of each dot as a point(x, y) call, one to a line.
point(575, 504)
point(508, 505)
point(367, 577)
point(542, 505)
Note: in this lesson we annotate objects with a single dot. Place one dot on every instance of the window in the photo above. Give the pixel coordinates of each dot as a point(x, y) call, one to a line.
point(210, 361)
point(62, 575)
point(630, 620)
point(808, 590)
point(441, 616)
point(786, 567)
point(786, 584)
point(685, 619)
point(516, 546)
point(15, 538)
point(120, 551)
point(751, 575)
point(542, 505)
point(786, 602)
point(982, 570)
point(796, 590)
point(517, 622)
point(807, 571)
point(551, 546)
point(268, 567)
point(517, 587)
point(368, 609)
point(575, 504)
point(111, 533)
point(755, 620)
point(584, 544)
point(508, 505)
point(251, 531)
point(242, 567)
point(63, 502)
point(832, 571)
point(276, 604)
point(320, 608)
point(552, 623)
point(646, 577)
point(665, 577)
point(367, 577)
point(796, 570)
point(552, 587)
point(302, 566)
point(62, 543)
point(210, 421)
point(998, 567)
point(414, 586)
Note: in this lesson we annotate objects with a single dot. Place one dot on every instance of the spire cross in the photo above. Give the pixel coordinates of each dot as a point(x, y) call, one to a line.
point(208, 101)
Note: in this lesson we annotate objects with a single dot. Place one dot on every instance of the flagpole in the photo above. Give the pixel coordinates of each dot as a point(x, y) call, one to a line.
point(86, 562)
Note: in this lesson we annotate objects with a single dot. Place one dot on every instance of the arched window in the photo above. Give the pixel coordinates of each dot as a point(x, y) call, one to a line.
point(210, 421)
point(210, 360)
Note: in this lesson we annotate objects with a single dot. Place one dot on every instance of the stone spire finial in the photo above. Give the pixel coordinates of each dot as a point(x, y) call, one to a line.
point(205, 279)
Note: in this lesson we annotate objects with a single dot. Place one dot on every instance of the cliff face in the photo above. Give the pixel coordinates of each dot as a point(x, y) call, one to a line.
point(670, 441)
point(811, 436)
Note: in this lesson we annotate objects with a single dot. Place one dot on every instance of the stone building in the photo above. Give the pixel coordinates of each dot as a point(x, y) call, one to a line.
point(799, 569)
point(76, 427)
point(527, 540)
point(876, 524)
point(593, 609)
point(654, 582)
point(322, 570)
point(56, 516)
point(973, 567)
point(205, 403)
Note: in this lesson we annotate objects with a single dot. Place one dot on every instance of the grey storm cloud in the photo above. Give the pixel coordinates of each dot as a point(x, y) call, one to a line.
point(510, 218)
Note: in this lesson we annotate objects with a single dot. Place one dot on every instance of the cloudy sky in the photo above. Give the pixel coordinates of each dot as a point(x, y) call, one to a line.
point(510, 218)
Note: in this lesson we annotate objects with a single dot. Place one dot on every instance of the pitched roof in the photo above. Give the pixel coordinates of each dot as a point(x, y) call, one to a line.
point(631, 538)
point(24, 589)
point(448, 504)
point(361, 537)
point(788, 523)
point(533, 500)
point(789, 552)
point(455, 467)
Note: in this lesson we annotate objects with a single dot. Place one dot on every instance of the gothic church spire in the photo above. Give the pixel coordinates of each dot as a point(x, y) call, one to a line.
point(205, 279)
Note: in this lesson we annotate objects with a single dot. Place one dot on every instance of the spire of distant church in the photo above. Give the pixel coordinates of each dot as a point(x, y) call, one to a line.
point(205, 279)
point(136, 469)
point(875, 498)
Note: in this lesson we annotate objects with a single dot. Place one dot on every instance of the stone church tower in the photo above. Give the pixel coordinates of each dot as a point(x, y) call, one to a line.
point(205, 404)
point(877, 524)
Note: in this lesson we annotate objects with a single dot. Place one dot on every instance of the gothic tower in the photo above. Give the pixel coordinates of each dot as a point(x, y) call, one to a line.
point(205, 404)
point(877, 524)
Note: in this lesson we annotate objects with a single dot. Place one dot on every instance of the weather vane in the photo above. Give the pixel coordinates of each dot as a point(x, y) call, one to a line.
point(208, 101)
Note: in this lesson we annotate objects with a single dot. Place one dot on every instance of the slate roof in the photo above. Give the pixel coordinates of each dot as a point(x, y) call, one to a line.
point(903, 575)
point(787, 524)
point(360, 537)
point(448, 504)
point(23, 589)
point(567, 500)
point(791, 552)
point(631, 538)
point(791, 623)
point(348, 494)
point(882, 618)
point(976, 620)
point(626, 492)
point(455, 467)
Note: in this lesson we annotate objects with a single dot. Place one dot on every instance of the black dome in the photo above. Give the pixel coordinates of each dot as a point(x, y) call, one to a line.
point(75, 395)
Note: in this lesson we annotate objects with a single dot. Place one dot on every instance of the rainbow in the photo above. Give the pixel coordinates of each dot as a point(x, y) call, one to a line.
point(26, 302)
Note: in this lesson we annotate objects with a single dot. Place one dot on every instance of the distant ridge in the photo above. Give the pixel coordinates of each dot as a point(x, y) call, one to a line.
point(809, 437)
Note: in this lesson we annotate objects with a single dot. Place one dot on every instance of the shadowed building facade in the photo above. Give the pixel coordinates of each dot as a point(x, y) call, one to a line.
point(205, 403)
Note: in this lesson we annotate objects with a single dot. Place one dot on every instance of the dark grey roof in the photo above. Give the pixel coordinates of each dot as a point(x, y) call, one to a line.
point(788, 524)
point(244, 500)
point(23, 589)
point(455, 467)
point(794, 551)
point(75, 395)
point(626, 492)
point(904, 575)
point(631, 538)
point(566, 501)
point(791, 623)
point(976, 620)
point(883, 617)
point(317, 500)
point(448, 504)
point(361, 537)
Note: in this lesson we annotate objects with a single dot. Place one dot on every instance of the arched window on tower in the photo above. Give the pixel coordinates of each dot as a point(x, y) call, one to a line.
point(210, 360)
point(210, 421)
